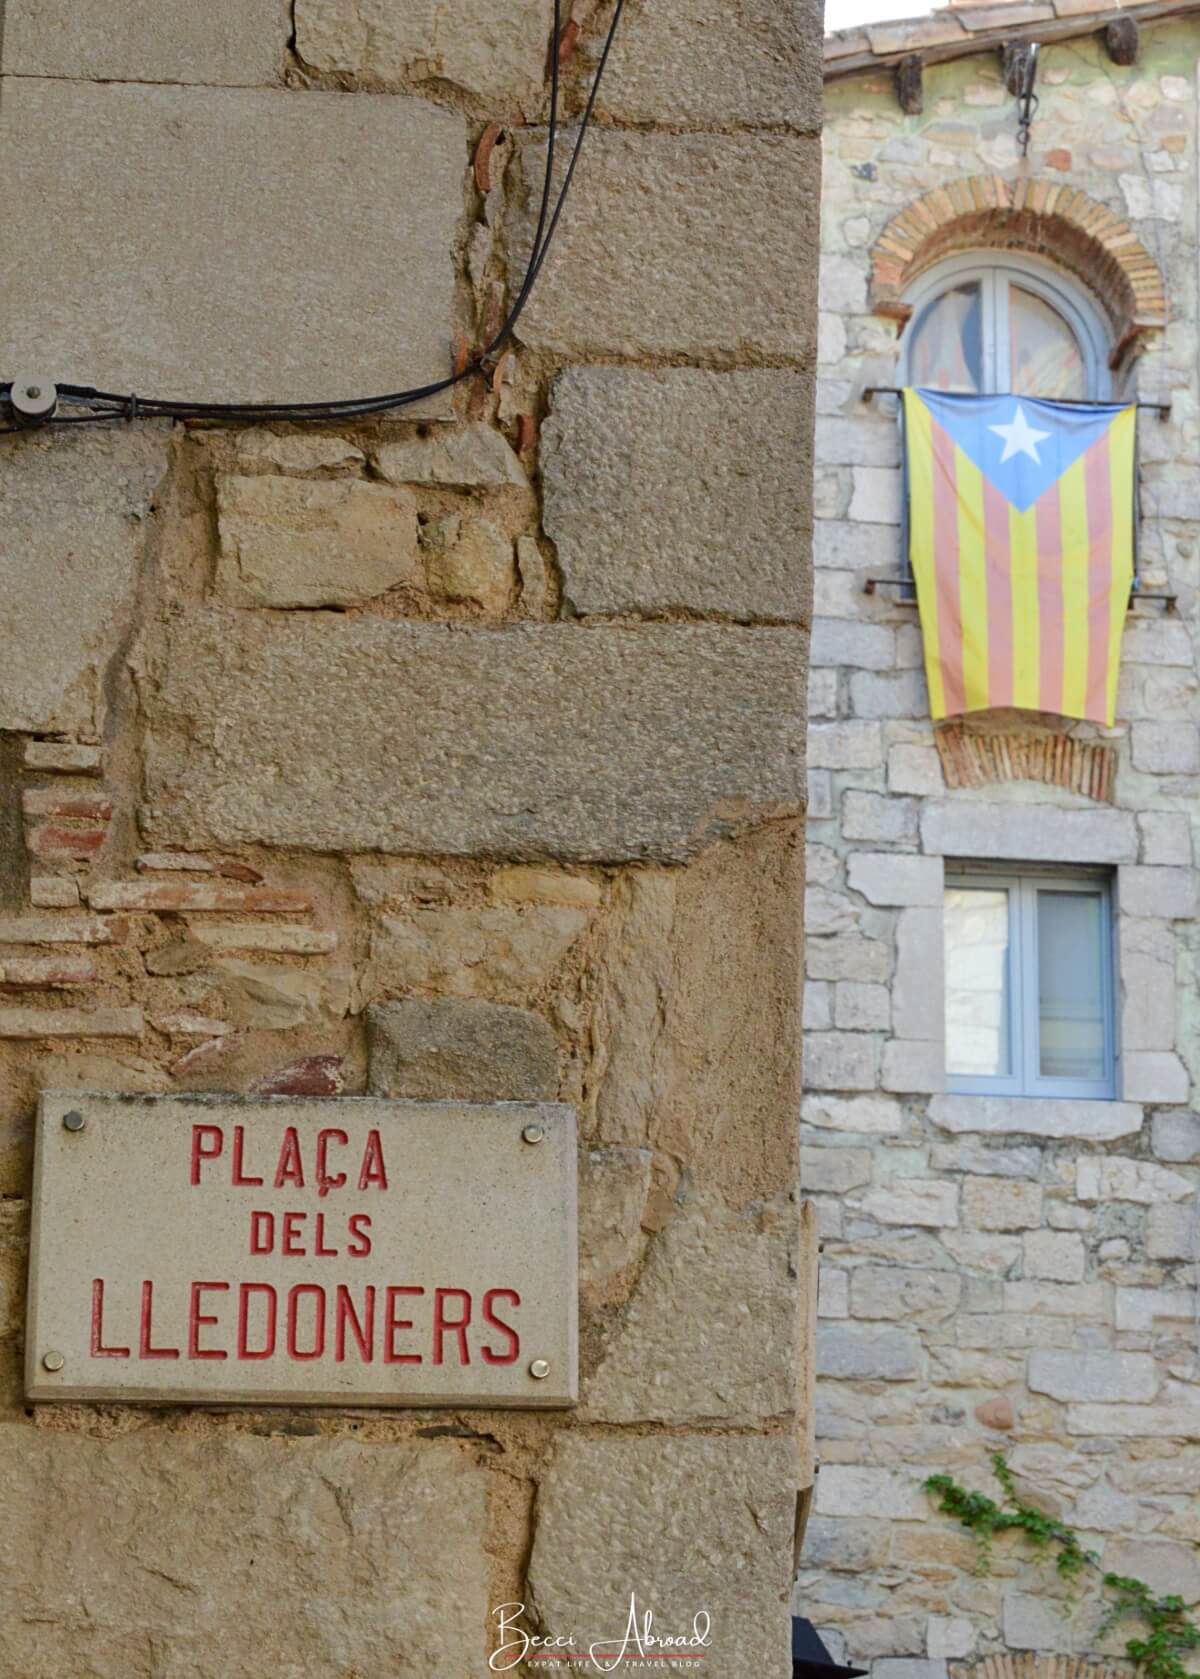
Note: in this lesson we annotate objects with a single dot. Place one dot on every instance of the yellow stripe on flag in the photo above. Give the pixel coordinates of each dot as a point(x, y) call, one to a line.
point(972, 582)
point(1075, 553)
point(918, 436)
point(1022, 537)
point(1120, 445)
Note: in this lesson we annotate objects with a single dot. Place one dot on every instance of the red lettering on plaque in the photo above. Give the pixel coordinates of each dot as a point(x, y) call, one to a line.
point(373, 1169)
point(145, 1348)
point(214, 1134)
point(390, 1355)
point(490, 1355)
point(443, 1325)
point(362, 1329)
point(262, 1232)
point(99, 1350)
point(290, 1168)
point(244, 1349)
point(198, 1320)
point(294, 1297)
point(324, 1181)
point(239, 1144)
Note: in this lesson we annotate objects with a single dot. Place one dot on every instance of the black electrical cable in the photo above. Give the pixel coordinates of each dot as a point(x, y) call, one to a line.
point(118, 406)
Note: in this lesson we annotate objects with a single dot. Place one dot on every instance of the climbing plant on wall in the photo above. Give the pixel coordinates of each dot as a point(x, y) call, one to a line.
point(1169, 1631)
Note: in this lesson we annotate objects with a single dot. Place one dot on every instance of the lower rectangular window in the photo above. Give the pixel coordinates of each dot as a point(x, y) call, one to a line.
point(1029, 985)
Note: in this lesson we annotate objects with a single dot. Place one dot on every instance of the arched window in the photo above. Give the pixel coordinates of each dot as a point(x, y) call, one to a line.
point(995, 324)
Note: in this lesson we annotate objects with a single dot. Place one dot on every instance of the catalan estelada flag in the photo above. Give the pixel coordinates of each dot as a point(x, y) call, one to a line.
point(1020, 533)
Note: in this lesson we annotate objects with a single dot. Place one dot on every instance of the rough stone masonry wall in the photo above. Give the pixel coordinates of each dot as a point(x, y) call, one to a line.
point(456, 757)
point(998, 1273)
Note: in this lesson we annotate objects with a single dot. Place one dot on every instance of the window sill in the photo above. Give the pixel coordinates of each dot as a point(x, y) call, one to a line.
point(1085, 1117)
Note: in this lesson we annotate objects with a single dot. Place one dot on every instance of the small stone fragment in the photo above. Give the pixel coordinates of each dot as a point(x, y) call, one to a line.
point(292, 543)
point(279, 938)
point(469, 560)
point(996, 1413)
point(181, 956)
point(298, 454)
point(273, 999)
point(532, 570)
point(71, 1023)
point(54, 891)
point(469, 457)
point(464, 1050)
point(69, 756)
point(311, 1075)
point(524, 885)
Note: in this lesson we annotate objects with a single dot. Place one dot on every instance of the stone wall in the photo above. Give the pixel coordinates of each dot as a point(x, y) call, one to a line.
point(998, 1273)
point(455, 755)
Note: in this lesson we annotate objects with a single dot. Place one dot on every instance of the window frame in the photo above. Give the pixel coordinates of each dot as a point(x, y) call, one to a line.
point(995, 272)
point(1025, 1078)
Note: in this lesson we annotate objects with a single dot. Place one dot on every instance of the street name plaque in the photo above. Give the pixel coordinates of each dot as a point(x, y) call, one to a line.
point(226, 1250)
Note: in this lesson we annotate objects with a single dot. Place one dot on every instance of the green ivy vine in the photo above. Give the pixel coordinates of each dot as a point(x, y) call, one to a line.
point(1170, 1633)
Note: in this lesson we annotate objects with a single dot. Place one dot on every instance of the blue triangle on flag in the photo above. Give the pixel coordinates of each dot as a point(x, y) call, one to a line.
point(1023, 444)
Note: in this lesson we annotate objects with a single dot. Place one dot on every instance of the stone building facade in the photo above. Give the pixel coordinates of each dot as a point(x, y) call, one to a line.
point(1000, 1271)
point(452, 754)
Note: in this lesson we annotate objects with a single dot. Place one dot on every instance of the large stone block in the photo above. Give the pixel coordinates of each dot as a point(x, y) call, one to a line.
point(237, 43)
point(71, 530)
point(687, 1349)
point(127, 203)
point(534, 741)
point(1001, 1204)
point(1037, 1116)
point(886, 879)
point(904, 1291)
point(716, 63)
point(1100, 1377)
point(1176, 1136)
point(845, 1489)
point(442, 1048)
point(868, 1116)
point(1161, 893)
point(919, 1201)
point(497, 951)
point(841, 1061)
point(680, 489)
point(656, 242)
point(1169, 1570)
point(492, 47)
point(690, 1526)
point(114, 1548)
point(1022, 832)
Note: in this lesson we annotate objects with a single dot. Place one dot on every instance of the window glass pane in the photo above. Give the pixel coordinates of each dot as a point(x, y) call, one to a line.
point(1046, 359)
point(977, 969)
point(946, 350)
point(1071, 984)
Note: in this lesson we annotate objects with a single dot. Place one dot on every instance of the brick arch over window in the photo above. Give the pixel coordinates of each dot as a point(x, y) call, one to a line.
point(1045, 218)
point(1026, 1665)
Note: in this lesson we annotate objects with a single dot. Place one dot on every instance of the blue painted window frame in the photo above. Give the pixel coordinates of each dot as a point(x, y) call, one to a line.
point(1025, 1077)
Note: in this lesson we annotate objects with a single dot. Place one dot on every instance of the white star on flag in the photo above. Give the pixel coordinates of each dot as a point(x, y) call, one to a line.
point(1020, 438)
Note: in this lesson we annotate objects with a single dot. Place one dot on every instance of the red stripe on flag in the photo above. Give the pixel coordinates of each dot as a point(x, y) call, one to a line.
point(945, 566)
point(1050, 600)
point(998, 572)
point(1098, 495)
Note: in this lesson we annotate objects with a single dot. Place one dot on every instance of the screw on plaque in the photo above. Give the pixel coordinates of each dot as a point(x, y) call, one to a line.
point(53, 1362)
point(539, 1369)
point(73, 1121)
point(533, 1134)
